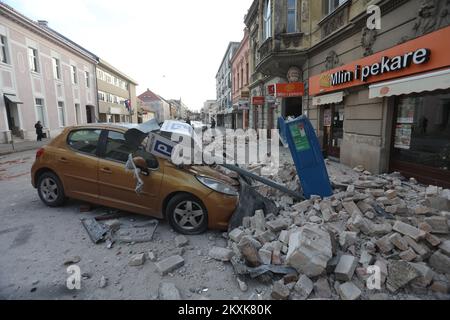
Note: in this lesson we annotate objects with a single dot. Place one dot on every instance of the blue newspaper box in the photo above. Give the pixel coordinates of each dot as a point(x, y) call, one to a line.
point(307, 155)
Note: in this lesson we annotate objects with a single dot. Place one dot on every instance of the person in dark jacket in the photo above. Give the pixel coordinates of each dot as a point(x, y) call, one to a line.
point(39, 131)
point(213, 123)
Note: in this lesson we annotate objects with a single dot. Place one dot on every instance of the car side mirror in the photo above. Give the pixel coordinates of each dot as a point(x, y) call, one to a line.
point(141, 164)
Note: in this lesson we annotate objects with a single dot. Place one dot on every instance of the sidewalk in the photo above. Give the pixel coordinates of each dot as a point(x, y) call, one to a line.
point(7, 148)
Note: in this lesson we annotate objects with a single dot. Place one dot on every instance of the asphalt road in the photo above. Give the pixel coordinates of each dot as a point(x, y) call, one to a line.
point(35, 241)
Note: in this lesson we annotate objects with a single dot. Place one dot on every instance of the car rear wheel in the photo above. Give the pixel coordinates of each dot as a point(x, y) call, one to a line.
point(50, 190)
point(187, 215)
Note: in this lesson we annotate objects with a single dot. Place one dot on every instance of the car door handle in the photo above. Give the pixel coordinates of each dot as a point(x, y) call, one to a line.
point(63, 160)
point(106, 170)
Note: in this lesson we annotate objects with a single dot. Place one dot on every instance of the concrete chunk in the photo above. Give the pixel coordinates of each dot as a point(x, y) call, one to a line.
point(258, 221)
point(277, 225)
point(347, 239)
point(280, 291)
point(409, 230)
point(322, 289)
point(265, 256)
point(346, 268)
point(236, 235)
point(421, 250)
point(439, 225)
point(169, 264)
point(445, 247)
point(310, 250)
point(137, 260)
point(304, 287)
point(221, 254)
point(249, 251)
point(391, 194)
point(351, 208)
point(302, 206)
point(426, 274)
point(400, 273)
point(348, 291)
point(181, 241)
point(384, 244)
point(408, 255)
point(398, 241)
point(440, 262)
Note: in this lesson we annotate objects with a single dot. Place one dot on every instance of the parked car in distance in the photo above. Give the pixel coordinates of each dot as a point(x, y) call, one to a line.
point(87, 163)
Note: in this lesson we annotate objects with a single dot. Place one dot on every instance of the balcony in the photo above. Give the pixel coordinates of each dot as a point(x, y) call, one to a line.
point(278, 54)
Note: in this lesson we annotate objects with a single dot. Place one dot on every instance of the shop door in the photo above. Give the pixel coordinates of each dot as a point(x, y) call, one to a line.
point(293, 107)
point(333, 130)
point(421, 138)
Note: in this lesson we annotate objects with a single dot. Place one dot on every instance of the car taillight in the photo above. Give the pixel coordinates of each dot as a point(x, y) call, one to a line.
point(39, 153)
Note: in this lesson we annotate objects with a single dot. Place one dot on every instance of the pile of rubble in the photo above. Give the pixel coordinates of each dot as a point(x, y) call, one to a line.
point(377, 237)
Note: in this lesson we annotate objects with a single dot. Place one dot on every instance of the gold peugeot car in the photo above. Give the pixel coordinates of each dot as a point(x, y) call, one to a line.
point(88, 163)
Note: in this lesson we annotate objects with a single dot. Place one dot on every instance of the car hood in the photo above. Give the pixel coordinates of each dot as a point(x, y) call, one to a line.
point(211, 173)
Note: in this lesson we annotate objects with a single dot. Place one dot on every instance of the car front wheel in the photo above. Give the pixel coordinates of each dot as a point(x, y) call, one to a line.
point(50, 190)
point(187, 215)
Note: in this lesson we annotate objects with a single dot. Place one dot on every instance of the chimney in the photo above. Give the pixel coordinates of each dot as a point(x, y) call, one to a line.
point(43, 23)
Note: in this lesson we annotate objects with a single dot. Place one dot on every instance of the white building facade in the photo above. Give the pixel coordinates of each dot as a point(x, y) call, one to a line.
point(43, 77)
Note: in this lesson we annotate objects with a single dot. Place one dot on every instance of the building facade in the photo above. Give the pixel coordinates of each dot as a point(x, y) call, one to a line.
point(181, 109)
point(116, 95)
point(224, 87)
point(240, 89)
point(155, 104)
point(377, 97)
point(381, 98)
point(279, 33)
point(209, 111)
point(43, 77)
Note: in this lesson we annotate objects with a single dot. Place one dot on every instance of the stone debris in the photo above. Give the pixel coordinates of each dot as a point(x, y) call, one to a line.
point(103, 282)
point(408, 230)
point(400, 273)
point(346, 268)
point(280, 291)
point(387, 221)
point(137, 260)
point(169, 264)
point(181, 241)
point(304, 287)
point(221, 254)
point(168, 291)
point(309, 250)
point(349, 291)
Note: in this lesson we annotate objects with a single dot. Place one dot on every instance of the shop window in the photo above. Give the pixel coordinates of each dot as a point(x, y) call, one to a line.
point(422, 130)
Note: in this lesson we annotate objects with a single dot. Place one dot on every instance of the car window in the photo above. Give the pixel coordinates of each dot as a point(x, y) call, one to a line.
point(85, 141)
point(117, 149)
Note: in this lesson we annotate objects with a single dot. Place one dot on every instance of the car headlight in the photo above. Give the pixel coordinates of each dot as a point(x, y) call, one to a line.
point(218, 186)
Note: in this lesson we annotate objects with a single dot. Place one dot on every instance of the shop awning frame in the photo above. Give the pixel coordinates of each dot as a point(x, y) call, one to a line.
point(430, 81)
point(12, 98)
point(335, 97)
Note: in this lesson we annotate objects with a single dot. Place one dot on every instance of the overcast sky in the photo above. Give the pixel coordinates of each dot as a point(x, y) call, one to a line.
point(172, 47)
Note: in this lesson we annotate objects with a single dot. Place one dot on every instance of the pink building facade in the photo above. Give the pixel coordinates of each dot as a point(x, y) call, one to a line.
point(43, 76)
point(240, 82)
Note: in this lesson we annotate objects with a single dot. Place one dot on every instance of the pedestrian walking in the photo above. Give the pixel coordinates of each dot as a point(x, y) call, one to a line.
point(213, 123)
point(39, 132)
